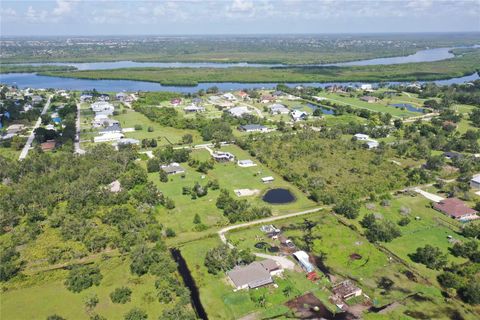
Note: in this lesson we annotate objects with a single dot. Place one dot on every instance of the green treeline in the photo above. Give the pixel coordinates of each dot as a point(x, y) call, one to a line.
point(461, 65)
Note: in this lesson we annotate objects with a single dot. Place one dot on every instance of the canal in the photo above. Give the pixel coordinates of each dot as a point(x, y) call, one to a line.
point(189, 283)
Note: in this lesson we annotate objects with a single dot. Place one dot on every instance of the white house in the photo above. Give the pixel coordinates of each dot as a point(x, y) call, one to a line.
point(298, 115)
point(475, 182)
point(372, 144)
point(278, 108)
point(102, 107)
point(246, 163)
point(267, 179)
point(239, 111)
point(361, 136)
point(366, 87)
point(86, 97)
point(108, 137)
point(194, 108)
point(223, 156)
point(253, 128)
point(229, 96)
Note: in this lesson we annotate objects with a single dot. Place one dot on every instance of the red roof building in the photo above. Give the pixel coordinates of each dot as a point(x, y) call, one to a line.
point(456, 208)
point(49, 145)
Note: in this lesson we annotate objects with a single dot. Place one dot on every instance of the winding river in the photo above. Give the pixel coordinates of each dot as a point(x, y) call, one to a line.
point(33, 80)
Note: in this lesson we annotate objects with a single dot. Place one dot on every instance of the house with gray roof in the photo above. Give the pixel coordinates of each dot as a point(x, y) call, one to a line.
point(475, 182)
point(173, 168)
point(253, 128)
point(256, 274)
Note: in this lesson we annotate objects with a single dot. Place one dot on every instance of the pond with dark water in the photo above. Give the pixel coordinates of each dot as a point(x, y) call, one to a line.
point(407, 106)
point(278, 196)
point(324, 110)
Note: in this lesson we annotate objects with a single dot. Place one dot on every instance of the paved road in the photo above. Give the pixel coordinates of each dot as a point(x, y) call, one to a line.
point(428, 195)
point(222, 232)
point(27, 146)
point(77, 135)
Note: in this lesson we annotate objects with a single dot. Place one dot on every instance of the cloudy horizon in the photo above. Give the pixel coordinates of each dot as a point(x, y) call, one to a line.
point(211, 17)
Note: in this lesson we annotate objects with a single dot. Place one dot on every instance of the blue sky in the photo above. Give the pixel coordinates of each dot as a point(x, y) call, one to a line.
point(108, 17)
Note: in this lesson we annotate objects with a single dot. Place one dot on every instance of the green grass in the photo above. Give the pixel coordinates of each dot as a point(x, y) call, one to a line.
point(381, 106)
point(217, 295)
point(164, 135)
point(432, 228)
point(46, 294)
point(338, 242)
point(230, 176)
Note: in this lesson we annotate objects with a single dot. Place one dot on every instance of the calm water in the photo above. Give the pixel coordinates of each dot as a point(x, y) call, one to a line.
point(427, 55)
point(324, 110)
point(278, 196)
point(407, 106)
point(32, 80)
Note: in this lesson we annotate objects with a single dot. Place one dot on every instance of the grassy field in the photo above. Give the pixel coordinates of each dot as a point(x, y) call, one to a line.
point(381, 106)
point(221, 302)
point(163, 135)
point(22, 299)
point(455, 67)
point(230, 176)
point(337, 242)
point(432, 228)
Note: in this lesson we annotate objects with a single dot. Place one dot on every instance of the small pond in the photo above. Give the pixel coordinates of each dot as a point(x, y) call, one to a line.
point(278, 196)
point(407, 106)
point(324, 110)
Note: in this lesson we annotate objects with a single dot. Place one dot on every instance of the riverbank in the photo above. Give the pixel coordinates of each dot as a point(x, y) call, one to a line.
point(7, 68)
point(458, 66)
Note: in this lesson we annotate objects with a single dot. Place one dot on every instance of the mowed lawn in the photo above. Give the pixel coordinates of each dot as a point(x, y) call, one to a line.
point(230, 176)
point(163, 135)
point(376, 107)
point(217, 294)
point(44, 294)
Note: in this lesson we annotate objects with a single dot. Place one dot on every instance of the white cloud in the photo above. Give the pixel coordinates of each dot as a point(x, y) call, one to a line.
point(63, 7)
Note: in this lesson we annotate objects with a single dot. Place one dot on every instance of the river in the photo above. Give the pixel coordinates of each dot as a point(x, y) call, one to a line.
point(32, 80)
point(427, 55)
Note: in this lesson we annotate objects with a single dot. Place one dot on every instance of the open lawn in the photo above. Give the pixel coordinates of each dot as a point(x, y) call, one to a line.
point(221, 302)
point(22, 301)
point(381, 106)
point(230, 176)
point(164, 135)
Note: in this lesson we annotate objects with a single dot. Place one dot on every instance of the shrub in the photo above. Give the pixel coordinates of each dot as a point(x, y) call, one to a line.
point(121, 295)
point(138, 127)
point(136, 314)
point(83, 277)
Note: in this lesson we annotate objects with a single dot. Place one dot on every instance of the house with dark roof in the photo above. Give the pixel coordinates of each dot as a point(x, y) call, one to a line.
point(456, 209)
